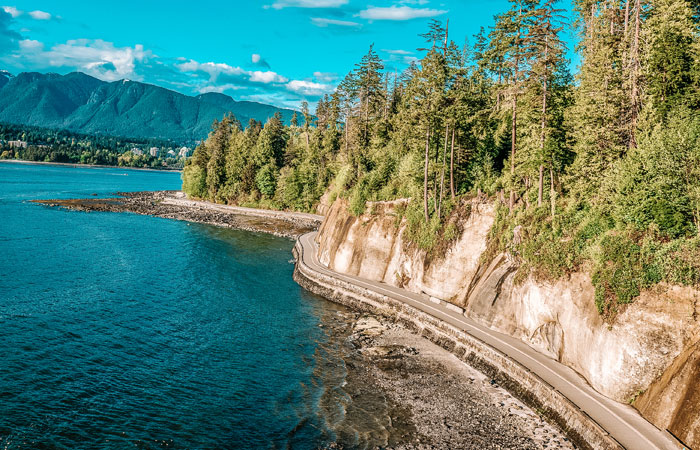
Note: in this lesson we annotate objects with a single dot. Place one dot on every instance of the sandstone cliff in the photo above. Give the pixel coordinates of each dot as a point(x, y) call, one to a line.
point(648, 353)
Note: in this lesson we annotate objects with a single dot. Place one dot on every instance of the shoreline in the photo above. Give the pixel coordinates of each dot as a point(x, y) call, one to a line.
point(517, 380)
point(174, 205)
point(91, 166)
point(423, 396)
point(384, 367)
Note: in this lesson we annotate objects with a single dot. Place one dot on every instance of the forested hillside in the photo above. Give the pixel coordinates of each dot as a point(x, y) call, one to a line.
point(596, 170)
point(62, 146)
point(84, 104)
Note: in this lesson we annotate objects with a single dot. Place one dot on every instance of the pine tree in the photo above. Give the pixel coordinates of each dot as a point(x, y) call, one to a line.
point(548, 67)
point(671, 56)
point(601, 116)
point(368, 79)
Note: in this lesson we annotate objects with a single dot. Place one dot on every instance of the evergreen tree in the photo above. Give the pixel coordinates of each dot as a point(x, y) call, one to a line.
point(671, 58)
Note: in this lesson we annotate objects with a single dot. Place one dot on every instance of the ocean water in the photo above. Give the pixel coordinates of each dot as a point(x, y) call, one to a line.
point(127, 331)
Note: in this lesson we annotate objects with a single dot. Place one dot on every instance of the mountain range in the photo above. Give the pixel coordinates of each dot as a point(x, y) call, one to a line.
point(81, 103)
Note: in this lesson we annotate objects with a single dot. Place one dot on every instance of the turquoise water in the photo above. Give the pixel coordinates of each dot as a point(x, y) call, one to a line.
point(128, 331)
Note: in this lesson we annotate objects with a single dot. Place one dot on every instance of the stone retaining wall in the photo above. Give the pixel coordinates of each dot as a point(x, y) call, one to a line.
point(518, 380)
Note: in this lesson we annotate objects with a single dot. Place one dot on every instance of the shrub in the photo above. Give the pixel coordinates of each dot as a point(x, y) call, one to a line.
point(194, 181)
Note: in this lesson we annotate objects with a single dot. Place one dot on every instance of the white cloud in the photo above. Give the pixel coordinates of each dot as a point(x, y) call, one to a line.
point(399, 13)
point(325, 77)
point(308, 87)
point(30, 45)
point(213, 69)
point(259, 61)
point(40, 15)
point(279, 4)
point(322, 22)
point(11, 10)
point(402, 56)
point(398, 52)
point(219, 89)
point(94, 57)
point(266, 77)
point(216, 70)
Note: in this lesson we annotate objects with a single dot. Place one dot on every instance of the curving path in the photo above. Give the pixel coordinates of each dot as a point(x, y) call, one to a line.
point(621, 421)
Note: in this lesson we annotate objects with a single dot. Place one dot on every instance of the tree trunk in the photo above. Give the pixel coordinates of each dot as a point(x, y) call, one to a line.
point(543, 123)
point(612, 21)
point(425, 173)
point(552, 193)
point(442, 171)
point(627, 17)
point(635, 74)
point(347, 126)
point(366, 119)
point(452, 166)
point(540, 187)
point(514, 124)
point(513, 142)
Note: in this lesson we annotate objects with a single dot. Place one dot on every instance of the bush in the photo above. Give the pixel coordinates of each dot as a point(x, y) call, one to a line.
point(194, 181)
point(659, 182)
point(358, 199)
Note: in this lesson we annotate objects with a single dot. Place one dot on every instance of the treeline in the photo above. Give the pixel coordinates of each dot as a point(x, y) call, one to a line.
point(600, 170)
point(63, 146)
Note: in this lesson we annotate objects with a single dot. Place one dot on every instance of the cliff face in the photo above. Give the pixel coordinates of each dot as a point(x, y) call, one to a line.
point(372, 246)
point(651, 348)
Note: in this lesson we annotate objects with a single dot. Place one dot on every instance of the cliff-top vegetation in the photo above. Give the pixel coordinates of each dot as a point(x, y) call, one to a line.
point(600, 170)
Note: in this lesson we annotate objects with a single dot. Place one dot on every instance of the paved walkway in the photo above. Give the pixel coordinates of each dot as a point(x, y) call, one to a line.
point(622, 422)
point(179, 199)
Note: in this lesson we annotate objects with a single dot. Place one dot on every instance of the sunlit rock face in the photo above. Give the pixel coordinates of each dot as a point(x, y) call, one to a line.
point(372, 246)
point(649, 352)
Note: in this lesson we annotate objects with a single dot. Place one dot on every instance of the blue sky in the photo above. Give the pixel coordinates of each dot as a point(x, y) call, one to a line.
point(273, 51)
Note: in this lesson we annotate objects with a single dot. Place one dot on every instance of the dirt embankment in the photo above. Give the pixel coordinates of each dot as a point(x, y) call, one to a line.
point(173, 205)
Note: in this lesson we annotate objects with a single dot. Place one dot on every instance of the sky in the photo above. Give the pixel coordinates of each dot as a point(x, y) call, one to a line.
point(278, 52)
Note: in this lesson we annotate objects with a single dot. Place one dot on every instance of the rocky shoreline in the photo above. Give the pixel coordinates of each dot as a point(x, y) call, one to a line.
point(174, 205)
point(436, 401)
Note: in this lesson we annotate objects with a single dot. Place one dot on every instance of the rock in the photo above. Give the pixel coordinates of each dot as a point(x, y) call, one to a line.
point(369, 326)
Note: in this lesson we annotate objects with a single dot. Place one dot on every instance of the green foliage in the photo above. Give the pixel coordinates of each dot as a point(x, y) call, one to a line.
point(62, 146)
point(194, 181)
point(266, 180)
point(601, 175)
point(358, 198)
point(659, 182)
point(420, 233)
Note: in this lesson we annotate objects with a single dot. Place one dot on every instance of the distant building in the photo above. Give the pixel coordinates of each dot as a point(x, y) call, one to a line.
point(155, 151)
point(17, 144)
point(137, 151)
point(185, 152)
point(171, 154)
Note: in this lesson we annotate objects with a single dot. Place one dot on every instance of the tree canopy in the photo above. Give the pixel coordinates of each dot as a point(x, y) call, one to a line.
point(600, 168)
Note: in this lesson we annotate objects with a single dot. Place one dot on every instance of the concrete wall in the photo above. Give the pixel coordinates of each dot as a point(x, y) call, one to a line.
point(517, 379)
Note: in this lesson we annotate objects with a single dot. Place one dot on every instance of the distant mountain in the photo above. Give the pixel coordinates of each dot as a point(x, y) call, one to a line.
point(4, 77)
point(84, 104)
